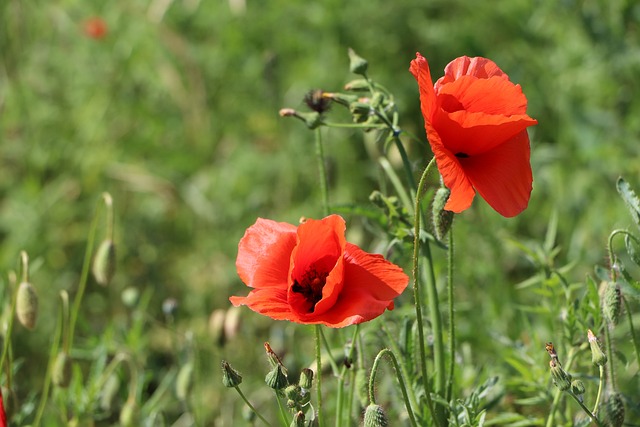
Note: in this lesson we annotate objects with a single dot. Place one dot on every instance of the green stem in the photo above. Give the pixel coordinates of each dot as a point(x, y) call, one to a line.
point(319, 376)
point(634, 339)
point(322, 172)
point(341, 377)
point(84, 276)
point(417, 296)
point(599, 395)
point(405, 160)
point(332, 361)
point(585, 409)
point(609, 349)
point(452, 323)
point(246, 401)
point(108, 203)
point(403, 388)
point(53, 353)
point(283, 412)
point(556, 399)
point(7, 335)
point(403, 368)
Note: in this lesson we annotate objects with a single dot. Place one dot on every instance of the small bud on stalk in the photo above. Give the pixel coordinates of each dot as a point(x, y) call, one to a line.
point(276, 378)
point(104, 262)
point(357, 64)
point(597, 355)
point(130, 414)
point(61, 376)
point(612, 302)
point(27, 305)
point(441, 218)
point(374, 416)
point(560, 377)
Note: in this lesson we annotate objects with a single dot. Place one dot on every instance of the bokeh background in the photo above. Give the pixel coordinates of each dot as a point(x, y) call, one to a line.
point(174, 112)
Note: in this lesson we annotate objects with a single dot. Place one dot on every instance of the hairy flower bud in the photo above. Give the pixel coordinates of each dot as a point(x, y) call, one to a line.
point(612, 302)
point(441, 218)
point(230, 377)
point(614, 411)
point(560, 378)
point(276, 378)
point(61, 375)
point(374, 416)
point(104, 262)
point(597, 355)
point(577, 387)
point(27, 305)
point(357, 64)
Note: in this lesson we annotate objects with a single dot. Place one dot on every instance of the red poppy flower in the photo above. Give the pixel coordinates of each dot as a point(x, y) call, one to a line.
point(95, 28)
point(476, 124)
point(3, 417)
point(310, 274)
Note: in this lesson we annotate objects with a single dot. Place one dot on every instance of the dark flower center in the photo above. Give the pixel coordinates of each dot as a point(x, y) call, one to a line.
point(310, 287)
point(462, 155)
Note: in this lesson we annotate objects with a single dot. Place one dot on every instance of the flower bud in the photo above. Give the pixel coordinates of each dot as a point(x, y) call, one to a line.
point(614, 411)
point(27, 305)
point(560, 378)
point(183, 381)
point(374, 416)
point(306, 379)
point(577, 387)
point(298, 420)
point(104, 262)
point(293, 395)
point(230, 377)
point(357, 64)
point(61, 375)
point(597, 355)
point(612, 302)
point(109, 392)
point(442, 219)
point(130, 414)
point(358, 85)
point(317, 101)
point(276, 378)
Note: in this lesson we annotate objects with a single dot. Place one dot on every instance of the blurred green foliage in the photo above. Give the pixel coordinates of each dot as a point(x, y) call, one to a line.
point(175, 113)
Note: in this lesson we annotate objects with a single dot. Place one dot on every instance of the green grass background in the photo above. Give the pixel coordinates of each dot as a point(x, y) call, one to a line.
point(175, 113)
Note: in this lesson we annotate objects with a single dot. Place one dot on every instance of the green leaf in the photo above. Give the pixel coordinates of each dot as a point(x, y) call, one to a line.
point(633, 248)
point(630, 199)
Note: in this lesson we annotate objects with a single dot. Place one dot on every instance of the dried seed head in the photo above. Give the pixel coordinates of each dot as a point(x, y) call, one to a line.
point(61, 376)
point(597, 355)
point(230, 377)
point(317, 101)
point(276, 378)
point(374, 416)
point(27, 305)
point(560, 378)
point(104, 262)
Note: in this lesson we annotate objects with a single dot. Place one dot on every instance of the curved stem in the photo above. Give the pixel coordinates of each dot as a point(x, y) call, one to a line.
point(319, 375)
point(600, 384)
point(322, 172)
point(341, 376)
point(403, 388)
point(417, 296)
point(403, 367)
point(452, 323)
point(246, 401)
point(84, 276)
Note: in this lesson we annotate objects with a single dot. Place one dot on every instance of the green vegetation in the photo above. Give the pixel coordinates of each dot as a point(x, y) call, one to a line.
point(174, 113)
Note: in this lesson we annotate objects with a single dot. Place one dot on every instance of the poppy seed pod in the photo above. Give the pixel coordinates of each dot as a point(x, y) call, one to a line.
point(61, 376)
point(374, 416)
point(230, 377)
point(104, 262)
point(27, 305)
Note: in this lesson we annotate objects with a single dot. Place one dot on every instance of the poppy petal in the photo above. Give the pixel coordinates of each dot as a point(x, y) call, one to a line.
point(420, 70)
point(320, 243)
point(264, 254)
point(503, 175)
point(479, 67)
point(3, 416)
point(373, 284)
point(269, 302)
